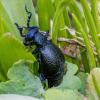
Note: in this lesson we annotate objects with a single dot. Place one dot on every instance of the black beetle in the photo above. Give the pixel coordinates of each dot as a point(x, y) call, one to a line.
point(50, 58)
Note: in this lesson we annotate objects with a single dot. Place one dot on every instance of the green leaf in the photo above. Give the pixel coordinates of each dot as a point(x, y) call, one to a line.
point(5, 23)
point(45, 13)
point(71, 68)
point(93, 83)
point(11, 50)
point(55, 94)
point(22, 81)
point(70, 81)
point(16, 97)
point(14, 11)
point(83, 77)
point(34, 67)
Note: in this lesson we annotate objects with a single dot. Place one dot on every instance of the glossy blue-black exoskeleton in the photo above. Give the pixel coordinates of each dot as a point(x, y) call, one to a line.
point(50, 58)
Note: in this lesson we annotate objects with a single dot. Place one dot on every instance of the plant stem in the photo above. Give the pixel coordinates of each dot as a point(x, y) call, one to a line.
point(94, 11)
point(91, 26)
point(60, 8)
point(87, 43)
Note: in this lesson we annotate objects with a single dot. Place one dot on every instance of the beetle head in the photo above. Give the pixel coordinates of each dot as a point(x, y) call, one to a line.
point(29, 36)
point(34, 37)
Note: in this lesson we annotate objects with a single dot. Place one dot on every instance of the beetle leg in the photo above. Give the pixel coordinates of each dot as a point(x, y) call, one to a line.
point(29, 16)
point(41, 76)
point(20, 29)
point(43, 79)
point(27, 44)
point(35, 51)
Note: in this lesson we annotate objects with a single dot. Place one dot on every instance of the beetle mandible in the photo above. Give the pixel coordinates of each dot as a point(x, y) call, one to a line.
point(50, 58)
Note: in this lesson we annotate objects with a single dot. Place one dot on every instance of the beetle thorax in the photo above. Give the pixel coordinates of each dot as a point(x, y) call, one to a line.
point(39, 39)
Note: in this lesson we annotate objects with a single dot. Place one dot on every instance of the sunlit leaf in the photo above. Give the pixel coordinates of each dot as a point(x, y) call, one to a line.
point(14, 11)
point(55, 94)
point(45, 13)
point(11, 50)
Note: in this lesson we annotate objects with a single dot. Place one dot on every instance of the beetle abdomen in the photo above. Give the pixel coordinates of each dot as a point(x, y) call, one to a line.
point(52, 63)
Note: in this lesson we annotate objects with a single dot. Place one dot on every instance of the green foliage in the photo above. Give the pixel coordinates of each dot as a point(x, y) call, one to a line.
point(21, 81)
point(55, 94)
point(56, 20)
point(14, 11)
point(11, 50)
point(83, 77)
point(94, 83)
point(70, 80)
point(45, 13)
point(86, 42)
point(16, 97)
point(91, 26)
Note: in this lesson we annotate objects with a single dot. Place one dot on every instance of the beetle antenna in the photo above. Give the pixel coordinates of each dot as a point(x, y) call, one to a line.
point(20, 29)
point(29, 16)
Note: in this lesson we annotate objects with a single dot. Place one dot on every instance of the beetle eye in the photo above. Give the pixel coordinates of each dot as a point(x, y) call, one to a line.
point(29, 36)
